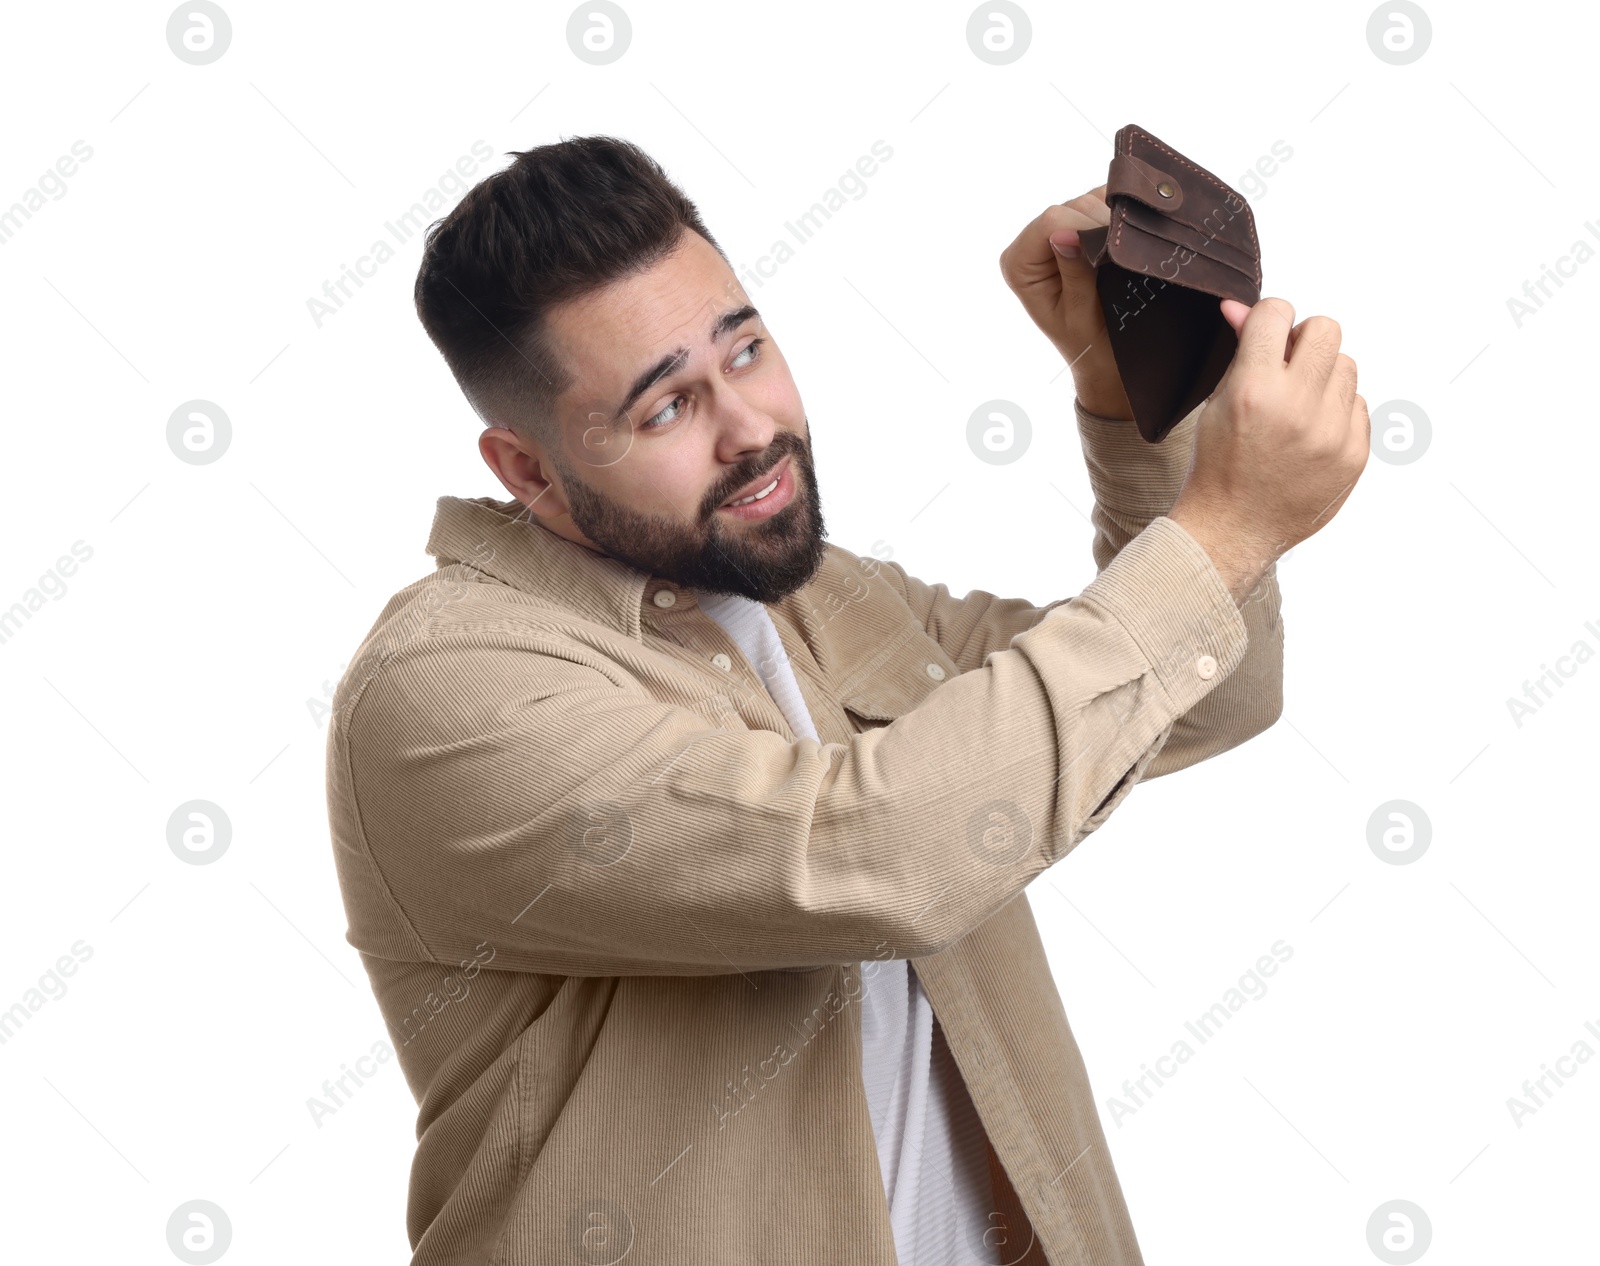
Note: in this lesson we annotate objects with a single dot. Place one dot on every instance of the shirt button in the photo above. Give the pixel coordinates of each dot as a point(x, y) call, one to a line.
point(664, 598)
point(1206, 666)
point(936, 672)
point(722, 661)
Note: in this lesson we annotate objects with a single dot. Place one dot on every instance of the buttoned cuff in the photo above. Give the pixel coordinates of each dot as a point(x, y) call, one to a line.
point(1163, 588)
point(1129, 475)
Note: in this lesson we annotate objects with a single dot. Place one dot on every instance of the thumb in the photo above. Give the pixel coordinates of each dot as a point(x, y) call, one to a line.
point(1077, 274)
point(1069, 255)
point(1234, 313)
point(1065, 243)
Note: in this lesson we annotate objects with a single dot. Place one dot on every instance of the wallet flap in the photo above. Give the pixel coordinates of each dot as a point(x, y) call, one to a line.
point(1204, 204)
point(1093, 244)
point(1136, 178)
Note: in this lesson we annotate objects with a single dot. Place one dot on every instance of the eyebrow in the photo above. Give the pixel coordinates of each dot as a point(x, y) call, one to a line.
point(673, 361)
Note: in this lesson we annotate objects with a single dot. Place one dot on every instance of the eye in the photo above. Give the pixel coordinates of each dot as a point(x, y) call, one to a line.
point(675, 406)
point(661, 419)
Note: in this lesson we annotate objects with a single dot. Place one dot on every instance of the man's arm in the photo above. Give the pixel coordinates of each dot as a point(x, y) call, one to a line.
point(491, 783)
point(1134, 482)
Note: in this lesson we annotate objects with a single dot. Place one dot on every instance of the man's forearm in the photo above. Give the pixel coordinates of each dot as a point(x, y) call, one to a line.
point(1105, 399)
point(1136, 482)
point(1133, 481)
point(1241, 566)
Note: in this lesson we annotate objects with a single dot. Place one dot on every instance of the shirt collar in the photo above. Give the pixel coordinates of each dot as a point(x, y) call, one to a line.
point(502, 539)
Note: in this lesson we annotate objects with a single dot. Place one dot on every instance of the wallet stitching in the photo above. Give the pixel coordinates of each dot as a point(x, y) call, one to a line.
point(1231, 269)
point(1198, 250)
point(1207, 176)
point(1204, 175)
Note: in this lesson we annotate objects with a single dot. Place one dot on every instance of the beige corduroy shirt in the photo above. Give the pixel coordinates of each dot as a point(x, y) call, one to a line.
point(615, 912)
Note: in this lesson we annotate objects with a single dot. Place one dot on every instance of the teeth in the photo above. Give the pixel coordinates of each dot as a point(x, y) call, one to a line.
point(757, 497)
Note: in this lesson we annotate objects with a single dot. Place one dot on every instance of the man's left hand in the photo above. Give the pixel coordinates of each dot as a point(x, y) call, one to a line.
point(1059, 294)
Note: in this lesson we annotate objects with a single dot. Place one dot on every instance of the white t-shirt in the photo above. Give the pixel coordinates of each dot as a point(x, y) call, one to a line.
point(930, 1140)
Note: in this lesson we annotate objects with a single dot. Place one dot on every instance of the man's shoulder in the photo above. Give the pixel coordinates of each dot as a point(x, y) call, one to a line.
point(441, 633)
point(458, 595)
point(437, 631)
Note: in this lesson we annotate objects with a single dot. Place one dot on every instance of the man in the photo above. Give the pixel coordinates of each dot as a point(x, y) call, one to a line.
point(685, 850)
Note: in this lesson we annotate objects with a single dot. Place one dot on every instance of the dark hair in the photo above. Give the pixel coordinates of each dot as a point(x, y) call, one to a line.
point(562, 220)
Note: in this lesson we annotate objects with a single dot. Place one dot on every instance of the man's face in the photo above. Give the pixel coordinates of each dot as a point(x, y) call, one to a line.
point(682, 402)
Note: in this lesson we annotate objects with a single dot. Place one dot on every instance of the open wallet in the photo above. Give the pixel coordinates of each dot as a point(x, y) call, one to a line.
point(1179, 241)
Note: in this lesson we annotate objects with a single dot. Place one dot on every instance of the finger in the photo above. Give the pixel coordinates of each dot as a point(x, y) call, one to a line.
point(1067, 243)
point(1366, 419)
point(1342, 382)
point(1264, 335)
point(1093, 204)
point(1030, 249)
point(1313, 348)
point(1234, 313)
point(1060, 227)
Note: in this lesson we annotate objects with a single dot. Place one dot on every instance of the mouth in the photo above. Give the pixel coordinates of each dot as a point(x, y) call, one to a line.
point(764, 496)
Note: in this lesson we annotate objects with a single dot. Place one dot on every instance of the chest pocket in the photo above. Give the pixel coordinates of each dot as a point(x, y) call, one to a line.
point(895, 679)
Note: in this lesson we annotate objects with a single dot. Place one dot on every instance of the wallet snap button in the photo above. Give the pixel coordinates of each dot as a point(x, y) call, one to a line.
point(1165, 189)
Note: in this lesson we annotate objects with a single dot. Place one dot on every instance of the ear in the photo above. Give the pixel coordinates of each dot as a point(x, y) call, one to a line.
point(523, 468)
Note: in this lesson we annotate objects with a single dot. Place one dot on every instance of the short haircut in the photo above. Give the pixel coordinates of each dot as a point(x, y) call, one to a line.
point(562, 220)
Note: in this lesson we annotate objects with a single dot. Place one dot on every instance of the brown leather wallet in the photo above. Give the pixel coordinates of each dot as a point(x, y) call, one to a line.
point(1179, 240)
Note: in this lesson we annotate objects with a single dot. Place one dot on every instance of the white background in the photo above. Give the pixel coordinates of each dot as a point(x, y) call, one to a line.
point(220, 600)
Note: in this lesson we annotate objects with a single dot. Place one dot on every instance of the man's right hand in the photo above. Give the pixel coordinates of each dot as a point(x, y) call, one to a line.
point(1278, 446)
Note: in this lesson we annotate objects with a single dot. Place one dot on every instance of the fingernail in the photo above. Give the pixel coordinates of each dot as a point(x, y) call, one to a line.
point(1067, 249)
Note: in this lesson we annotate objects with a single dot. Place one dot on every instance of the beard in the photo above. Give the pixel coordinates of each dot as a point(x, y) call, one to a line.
point(764, 560)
